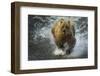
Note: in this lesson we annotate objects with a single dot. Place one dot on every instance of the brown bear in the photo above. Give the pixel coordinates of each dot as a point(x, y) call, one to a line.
point(64, 35)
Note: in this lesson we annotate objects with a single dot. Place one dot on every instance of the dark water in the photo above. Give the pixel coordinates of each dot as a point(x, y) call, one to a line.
point(40, 41)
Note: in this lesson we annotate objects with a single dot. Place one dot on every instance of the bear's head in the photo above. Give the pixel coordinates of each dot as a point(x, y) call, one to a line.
point(62, 32)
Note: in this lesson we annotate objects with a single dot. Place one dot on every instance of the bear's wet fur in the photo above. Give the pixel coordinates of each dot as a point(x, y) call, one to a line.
point(64, 33)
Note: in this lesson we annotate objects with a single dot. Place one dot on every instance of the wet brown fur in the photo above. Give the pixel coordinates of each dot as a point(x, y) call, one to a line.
point(63, 31)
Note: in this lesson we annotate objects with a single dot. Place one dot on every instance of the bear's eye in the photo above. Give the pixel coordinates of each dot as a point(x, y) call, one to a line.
point(63, 30)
